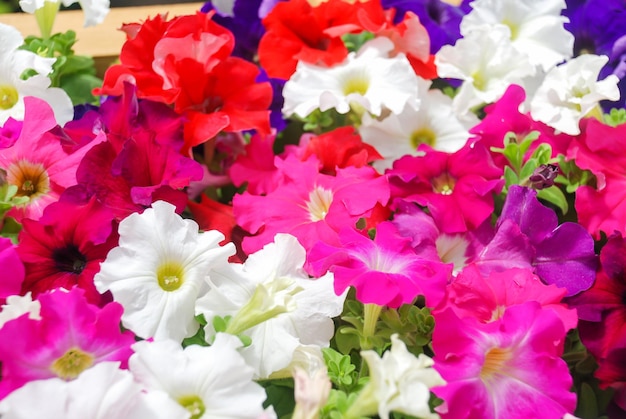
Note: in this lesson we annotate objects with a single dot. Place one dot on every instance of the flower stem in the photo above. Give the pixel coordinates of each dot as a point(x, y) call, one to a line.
point(371, 314)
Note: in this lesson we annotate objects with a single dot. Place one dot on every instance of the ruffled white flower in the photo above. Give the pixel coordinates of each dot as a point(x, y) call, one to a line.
point(535, 27)
point(273, 302)
point(17, 305)
point(369, 80)
point(311, 383)
point(487, 63)
point(399, 382)
point(158, 271)
point(570, 91)
point(433, 123)
point(101, 392)
point(208, 381)
point(95, 10)
point(13, 89)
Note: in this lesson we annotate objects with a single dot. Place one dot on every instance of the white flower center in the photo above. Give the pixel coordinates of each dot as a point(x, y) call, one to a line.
point(423, 136)
point(319, 203)
point(193, 404)
point(356, 84)
point(170, 276)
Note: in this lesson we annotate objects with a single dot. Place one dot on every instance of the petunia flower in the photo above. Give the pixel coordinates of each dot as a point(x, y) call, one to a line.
point(457, 188)
point(207, 382)
point(62, 252)
point(71, 336)
point(100, 392)
point(272, 300)
point(570, 91)
point(13, 90)
point(368, 79)
point(511, 367)
point(165, 263)
point(13, 270)
point(384, 271)
point(17, 305)
point(95, 10)
point(399, 382)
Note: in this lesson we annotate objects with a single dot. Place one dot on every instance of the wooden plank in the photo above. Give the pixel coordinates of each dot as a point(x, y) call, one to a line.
point(104, 41)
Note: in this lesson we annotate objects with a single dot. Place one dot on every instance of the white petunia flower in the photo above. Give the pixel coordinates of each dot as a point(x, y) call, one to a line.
point(570, 91)
point(274, 303)
point(399, 382)
point(158, 271)
point(370, 80)
point(13, 89)
point(17, 305)
point(208, 381)
point(433, 123)
point(95, 10)
point(101, 392)
point(535, 27)
point(487, 63)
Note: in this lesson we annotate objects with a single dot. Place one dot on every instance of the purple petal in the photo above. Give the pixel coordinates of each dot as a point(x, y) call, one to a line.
point(522, 207)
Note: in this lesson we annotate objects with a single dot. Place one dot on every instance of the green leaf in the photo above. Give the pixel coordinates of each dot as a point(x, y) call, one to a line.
point(555, 196)
point(280, 394)
point(79, 87)
point(615, 117)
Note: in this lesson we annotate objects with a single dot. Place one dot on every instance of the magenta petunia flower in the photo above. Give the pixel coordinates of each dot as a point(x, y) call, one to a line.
point(384, 271)
point(456, 188)
point(60, 251)
point(37, 162)
point(509, 368)
point(309, 205)
point(71, 336)
point(12, 270)
point(486, 298)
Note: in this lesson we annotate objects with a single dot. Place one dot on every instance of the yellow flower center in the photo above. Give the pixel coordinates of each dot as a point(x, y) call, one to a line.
point(8, 96)
point(30, 178)
point(71, 364)
point(194, 405)
point(356, 84)
point(170, 276)
point(423, 136)
point(319, 203)
point(495, 362)
point(443, 184)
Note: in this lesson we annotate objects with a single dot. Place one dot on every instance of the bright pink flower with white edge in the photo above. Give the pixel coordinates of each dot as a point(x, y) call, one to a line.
point(457, 188)
point(384, 271)
point(510, 368)
point(71, 336)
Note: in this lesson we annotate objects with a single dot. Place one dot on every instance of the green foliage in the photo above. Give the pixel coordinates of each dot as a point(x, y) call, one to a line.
point(338, 403)
point(9, 199)
point(198, 338)
point(76, 74)
point(342, 373)
point(280, 394)
point(615, 117)
point(354, 41)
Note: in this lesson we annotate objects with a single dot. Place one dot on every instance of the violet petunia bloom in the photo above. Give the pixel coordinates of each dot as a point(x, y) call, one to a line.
point(528, 234)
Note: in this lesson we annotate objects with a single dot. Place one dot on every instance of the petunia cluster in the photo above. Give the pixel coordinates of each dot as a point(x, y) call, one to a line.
point(318, 209)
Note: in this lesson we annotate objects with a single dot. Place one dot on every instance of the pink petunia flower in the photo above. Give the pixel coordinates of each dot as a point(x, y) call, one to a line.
point(457, 188)
point(12, 270)
point(71, 336)
point(37, 162)
point(309, 205)
point(60, 251)
point(509, 368)
point(384, 271)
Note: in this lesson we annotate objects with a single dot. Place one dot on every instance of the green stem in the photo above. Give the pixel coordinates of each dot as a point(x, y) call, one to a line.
point(371, 314)
point(45, 17)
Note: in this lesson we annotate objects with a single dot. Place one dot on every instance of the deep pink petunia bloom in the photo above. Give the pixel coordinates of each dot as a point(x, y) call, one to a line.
point(71, 336)
point(61, 251)
point(600, 149)
point(509, 368)
point(12, 270)
point(309, 205)
point(486, 298)
point(384, 271)
point(256, 166)
point(37, 162)
point(457, 188)
point(140, 162)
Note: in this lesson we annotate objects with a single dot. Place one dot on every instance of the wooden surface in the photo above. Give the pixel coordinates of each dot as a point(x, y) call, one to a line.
point(104, 41)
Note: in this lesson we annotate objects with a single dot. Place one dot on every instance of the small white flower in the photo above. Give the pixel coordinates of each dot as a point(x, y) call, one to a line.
point(18, 305)
point(13, 89)
point(487, 63)
point(101, 392)
point(535, 27)
point(369, 79)
point(400, 381)
point(570, 91)
point(274, 303)
point(208, 381)
point(158, 271)
point(95, 10)
point(433, 123)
